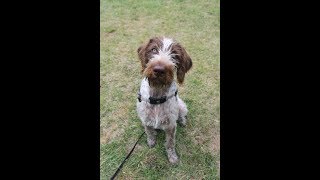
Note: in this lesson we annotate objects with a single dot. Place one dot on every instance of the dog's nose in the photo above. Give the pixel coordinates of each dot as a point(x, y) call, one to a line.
point(158, 69)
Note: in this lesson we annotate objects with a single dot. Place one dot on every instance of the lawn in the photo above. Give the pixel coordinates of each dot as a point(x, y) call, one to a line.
point(124, 25)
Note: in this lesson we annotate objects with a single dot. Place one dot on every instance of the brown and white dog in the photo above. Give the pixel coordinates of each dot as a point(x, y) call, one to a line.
point(158, 105)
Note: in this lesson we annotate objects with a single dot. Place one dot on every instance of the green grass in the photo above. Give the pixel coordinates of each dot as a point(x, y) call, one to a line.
point(124, 25)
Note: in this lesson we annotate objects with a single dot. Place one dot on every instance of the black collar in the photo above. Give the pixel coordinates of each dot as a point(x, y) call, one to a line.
point(153, 100)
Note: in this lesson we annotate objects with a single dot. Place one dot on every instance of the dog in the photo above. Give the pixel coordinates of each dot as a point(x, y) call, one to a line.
point(158, 104)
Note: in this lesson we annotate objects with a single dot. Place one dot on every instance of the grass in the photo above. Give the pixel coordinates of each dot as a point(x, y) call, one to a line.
point(124, 25)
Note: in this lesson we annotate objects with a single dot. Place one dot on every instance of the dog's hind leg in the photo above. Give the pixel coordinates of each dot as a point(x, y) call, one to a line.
point(183, 111)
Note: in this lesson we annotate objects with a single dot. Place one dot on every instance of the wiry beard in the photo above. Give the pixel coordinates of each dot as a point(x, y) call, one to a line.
point(159, 83)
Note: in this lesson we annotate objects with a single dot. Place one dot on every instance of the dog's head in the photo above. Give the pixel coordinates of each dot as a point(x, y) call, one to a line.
point(160, 58)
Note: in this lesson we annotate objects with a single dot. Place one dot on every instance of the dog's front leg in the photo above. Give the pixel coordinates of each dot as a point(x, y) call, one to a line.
point(170, 144)
point(151, 136)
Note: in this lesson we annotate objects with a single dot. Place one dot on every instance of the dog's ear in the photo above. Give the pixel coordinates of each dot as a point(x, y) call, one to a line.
point(142, 56)
point(184, 61)
point(144, 51)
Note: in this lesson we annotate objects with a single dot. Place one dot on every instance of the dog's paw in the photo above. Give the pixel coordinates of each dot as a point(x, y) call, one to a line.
point(172, 156)
point(151, 142)
point(182, 121)
point(174, 159)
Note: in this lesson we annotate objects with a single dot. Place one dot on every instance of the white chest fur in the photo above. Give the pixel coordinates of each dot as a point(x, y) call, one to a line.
point(158, 116)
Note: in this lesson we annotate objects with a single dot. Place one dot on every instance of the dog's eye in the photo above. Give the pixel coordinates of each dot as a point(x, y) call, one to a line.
point(154, 50)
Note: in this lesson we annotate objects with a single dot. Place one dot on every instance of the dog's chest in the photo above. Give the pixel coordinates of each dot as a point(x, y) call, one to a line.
point(161, 115)
point(157, 115)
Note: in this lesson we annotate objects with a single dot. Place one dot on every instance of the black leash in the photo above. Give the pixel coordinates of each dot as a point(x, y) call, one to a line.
point(119, 168)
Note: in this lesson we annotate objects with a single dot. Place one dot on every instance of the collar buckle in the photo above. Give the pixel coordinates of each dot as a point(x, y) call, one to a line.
point(157, 100)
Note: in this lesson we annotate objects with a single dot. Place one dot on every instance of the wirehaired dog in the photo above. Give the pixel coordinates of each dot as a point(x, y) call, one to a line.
point(158, 105)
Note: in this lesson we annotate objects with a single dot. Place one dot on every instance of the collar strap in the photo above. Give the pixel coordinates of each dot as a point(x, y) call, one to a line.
point(153, 100)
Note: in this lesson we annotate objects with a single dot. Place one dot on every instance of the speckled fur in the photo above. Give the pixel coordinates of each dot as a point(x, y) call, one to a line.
point(162, 116)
